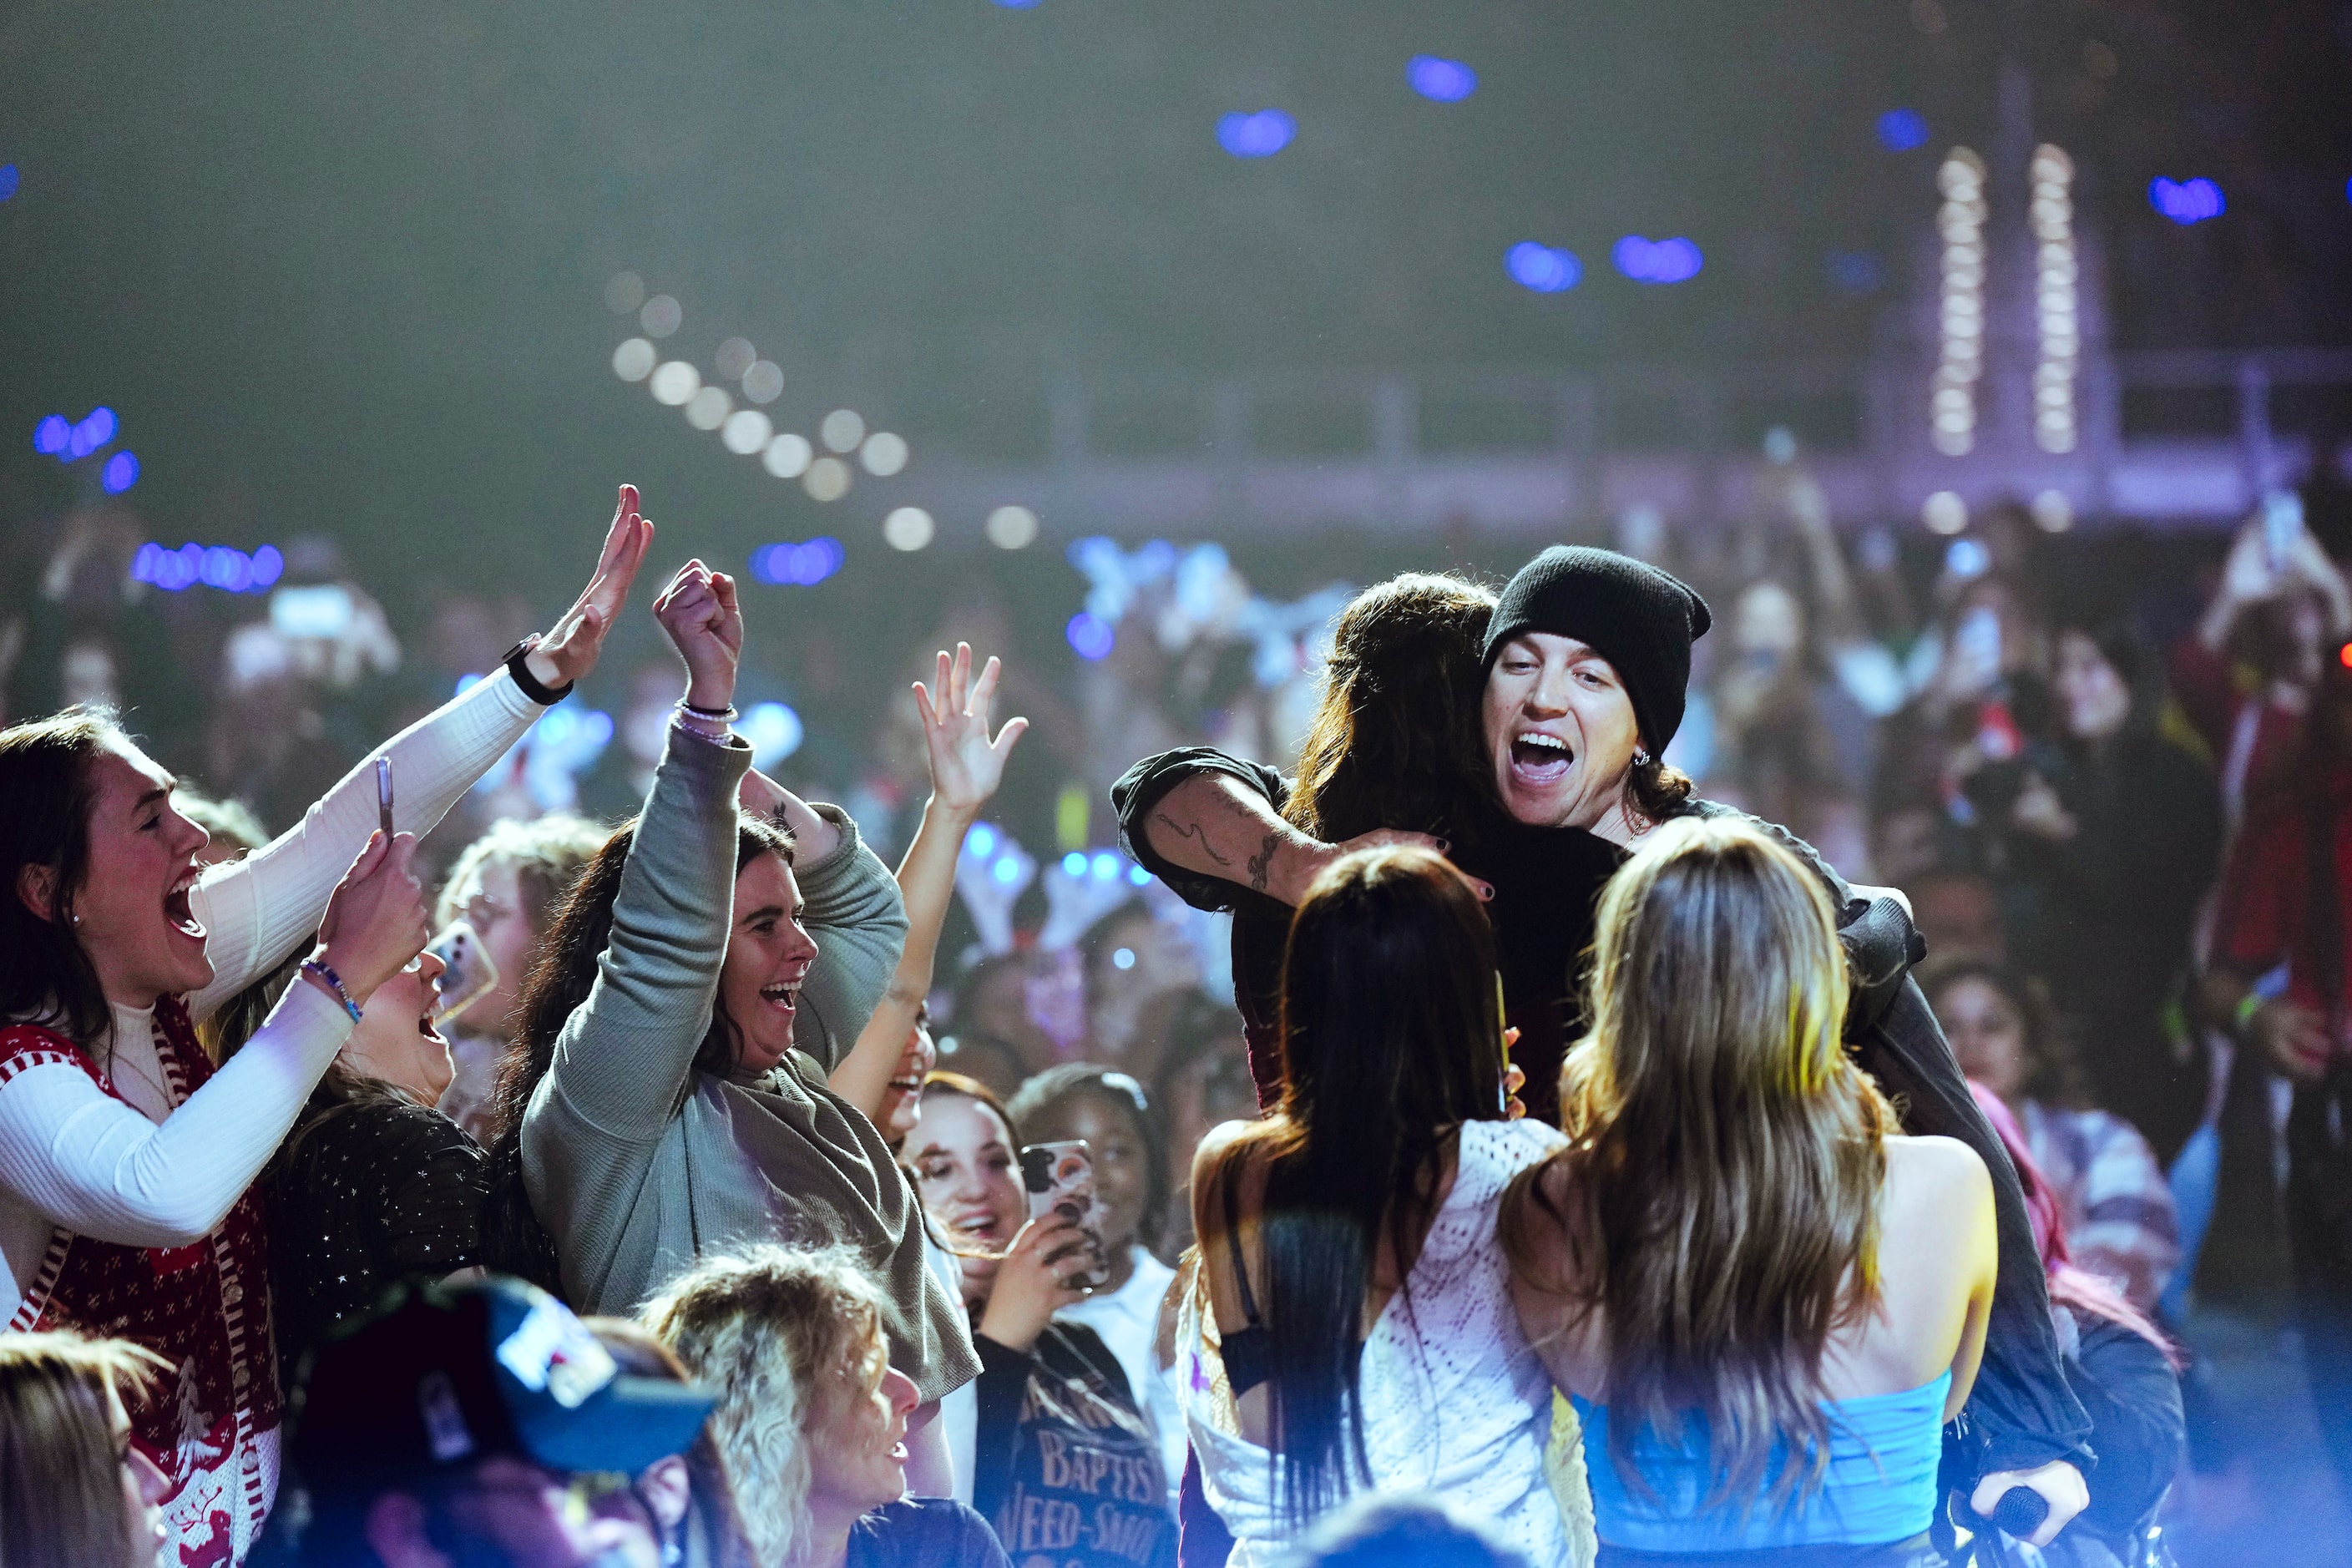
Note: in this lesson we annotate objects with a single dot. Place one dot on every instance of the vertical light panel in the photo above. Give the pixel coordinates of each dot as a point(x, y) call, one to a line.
point(1952, 407)
point(2055, 270)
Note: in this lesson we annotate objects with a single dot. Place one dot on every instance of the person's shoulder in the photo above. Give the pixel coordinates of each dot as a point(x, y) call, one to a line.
point(1936, 1176)
point(924, 1532)
point(1515, 1145)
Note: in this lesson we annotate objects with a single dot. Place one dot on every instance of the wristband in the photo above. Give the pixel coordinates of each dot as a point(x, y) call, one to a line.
point(533, 687)
point(2244, 1016)
point(703, 726)
point(334, 982)
point(726, 715)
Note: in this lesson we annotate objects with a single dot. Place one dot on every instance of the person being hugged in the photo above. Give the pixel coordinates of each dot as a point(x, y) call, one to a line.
point(1762, 1301)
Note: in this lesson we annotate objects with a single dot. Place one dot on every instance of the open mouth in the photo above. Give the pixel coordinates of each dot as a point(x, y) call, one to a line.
point(783, 996)
point(911, 1083)
point(981, 1226)
point(177, 912)
point(1539, 759)
point(425, 1019)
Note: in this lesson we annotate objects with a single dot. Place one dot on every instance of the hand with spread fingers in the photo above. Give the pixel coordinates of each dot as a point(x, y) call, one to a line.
point(967, 765)
point(569, 650)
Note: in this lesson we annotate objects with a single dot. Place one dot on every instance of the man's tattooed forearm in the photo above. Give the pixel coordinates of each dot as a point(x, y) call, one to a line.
point(1192, 830)
point(1263, 861)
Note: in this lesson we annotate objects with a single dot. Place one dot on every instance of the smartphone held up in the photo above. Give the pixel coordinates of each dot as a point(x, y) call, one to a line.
point(1060, 1180)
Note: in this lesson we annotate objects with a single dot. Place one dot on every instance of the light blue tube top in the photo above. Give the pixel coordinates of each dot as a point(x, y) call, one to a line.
point(1879, 1486)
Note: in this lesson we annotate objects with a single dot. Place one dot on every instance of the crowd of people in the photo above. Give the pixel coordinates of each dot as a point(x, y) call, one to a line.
point(1620, 1087)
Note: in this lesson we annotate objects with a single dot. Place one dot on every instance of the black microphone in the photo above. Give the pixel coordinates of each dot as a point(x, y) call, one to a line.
point(2020, 1511)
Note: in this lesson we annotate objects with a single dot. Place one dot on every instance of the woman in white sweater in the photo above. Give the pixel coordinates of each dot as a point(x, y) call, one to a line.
point(125, 1158)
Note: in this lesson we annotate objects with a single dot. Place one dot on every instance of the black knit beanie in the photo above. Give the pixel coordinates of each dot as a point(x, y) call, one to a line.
point(1642, 620)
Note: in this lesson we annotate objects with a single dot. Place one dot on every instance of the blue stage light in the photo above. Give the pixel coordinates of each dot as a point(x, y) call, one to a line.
point(52, 434)
point(1440, 80)
point(1106, 865)
point(1090, 636)
point(9, 180)
point(981, 842)
point(1073, 864)
point(121, 472)
point(1546, 268)
point(1006, 870)
point(95, 429)
point(798, 565)
point(1901, 130)
point(1657, 261)
point(1139, 877)
point(1017, 4)
point(218, 566)
point(1259, 135)
point(2187, 201)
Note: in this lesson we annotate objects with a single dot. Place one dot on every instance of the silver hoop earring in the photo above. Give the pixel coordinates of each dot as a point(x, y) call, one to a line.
point(1641, 758)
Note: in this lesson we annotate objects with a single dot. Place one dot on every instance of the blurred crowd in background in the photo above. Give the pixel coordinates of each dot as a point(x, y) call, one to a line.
point(2004, 722)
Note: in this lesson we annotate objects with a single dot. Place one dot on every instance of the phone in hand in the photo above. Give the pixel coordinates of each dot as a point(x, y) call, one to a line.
point(467, 972)
point(1060, 1179)
point(384, 796)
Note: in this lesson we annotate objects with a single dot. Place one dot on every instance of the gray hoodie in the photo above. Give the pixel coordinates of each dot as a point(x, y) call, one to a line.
point(636, 1163)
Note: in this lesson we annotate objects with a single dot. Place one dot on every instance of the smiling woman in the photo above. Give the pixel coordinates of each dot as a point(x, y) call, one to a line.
point(124, 1156)
point(666, 1096)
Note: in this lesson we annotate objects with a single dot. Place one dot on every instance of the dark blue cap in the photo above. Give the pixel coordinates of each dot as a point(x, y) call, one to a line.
point(445, 1376)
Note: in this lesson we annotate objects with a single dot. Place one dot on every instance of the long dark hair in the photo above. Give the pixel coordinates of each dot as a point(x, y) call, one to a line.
point(1395, 740)
point(47, 790)
point(1391, 1040)
point(559, 980)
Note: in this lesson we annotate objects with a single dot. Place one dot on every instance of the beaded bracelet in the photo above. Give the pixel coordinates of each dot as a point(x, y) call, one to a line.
point(311, 966)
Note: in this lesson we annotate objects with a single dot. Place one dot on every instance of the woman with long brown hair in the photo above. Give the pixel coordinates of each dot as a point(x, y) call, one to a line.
point(1763, 1301)
point(1351, 1327)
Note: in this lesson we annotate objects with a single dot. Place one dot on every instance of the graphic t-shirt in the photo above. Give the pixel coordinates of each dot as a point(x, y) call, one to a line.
point(1066, 1471)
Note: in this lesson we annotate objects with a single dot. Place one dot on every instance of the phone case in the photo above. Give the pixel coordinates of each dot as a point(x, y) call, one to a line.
point(1060, 1176)
point(467, 972)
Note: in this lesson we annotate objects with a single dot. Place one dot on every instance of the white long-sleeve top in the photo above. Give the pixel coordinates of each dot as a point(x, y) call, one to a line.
point(152, 1174)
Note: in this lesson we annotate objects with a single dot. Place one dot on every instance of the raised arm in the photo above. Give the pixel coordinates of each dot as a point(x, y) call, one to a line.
point(95, 1165)
point(966, 768)
point(622, 1059)
point(257, 910)
point(1209, 824)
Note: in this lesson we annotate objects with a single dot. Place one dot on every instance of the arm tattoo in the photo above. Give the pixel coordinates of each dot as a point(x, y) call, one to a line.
point(1193, 831)
point(1260, 862)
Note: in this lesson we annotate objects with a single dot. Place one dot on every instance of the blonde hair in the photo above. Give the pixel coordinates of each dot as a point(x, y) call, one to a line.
point(1726, 1156)
point(60, 1469)
point(781, 1337)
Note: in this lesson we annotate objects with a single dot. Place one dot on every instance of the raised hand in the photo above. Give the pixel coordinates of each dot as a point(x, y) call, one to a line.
point(376, 920)
point(966, 764)
point(699, 612)
point(569, 651)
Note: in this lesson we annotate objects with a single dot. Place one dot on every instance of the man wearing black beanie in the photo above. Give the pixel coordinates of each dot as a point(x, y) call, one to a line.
point(1586, 656)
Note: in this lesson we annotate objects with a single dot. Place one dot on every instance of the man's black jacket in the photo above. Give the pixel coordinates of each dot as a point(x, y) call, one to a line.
point(2020, 1412)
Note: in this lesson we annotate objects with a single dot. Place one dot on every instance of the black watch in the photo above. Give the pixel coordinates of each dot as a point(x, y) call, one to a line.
point(545, 696)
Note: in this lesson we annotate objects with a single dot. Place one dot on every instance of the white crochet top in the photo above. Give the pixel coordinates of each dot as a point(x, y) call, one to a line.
point(1455, 1401)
